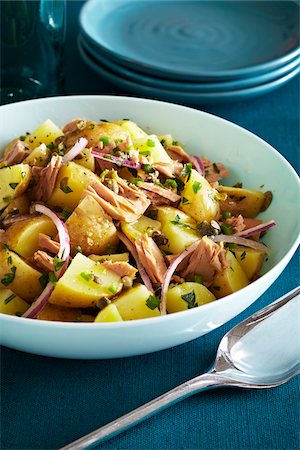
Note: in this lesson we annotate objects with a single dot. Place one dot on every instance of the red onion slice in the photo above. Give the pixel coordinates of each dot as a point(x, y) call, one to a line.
point(116, 160)
point(234, 239)
point(130, 246)
point(171, 269)
point(257, 229)
point(75, 150)
point(63, 254)
point(40, 302)
point(198, 164)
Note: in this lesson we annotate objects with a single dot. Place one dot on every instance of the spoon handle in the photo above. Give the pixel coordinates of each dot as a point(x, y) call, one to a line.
point(202, 382)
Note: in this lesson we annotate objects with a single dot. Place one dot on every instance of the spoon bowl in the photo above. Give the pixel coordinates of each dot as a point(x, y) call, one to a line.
point(261, 352)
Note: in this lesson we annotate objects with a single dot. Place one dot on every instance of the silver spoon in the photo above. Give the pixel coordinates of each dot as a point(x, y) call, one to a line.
point(263, 351)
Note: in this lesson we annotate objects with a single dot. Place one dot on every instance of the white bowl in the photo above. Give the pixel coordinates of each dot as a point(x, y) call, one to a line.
point(250, 159)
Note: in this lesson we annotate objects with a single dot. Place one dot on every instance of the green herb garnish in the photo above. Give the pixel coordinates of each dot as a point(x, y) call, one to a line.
point(216, 168)
point(7, 199)
point(145, 152)
point(13, 185)
point(43, 280)
point(147, 168)
point(63, 185)
point(52, 278)
point(9, 299)
point(171, 182)
point(79, 249)
point(152, 302)
point(86, 276)
point(197, 186)
point(58, 263)
point(9, 277)
point(113, 288)
point(190, 298)
point(66, 214)
point(105, 140)
point(227, 228)
point(150, 143)
point(186, 171)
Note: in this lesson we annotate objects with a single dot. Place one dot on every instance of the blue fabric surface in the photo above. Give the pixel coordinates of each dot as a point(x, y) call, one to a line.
point(47, 403)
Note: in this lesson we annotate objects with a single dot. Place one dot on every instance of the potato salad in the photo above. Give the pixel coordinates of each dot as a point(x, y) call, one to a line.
point(104, 222)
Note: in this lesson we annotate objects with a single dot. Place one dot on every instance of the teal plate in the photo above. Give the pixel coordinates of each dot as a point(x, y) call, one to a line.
point(185, 86)
point(194, 40)
point(190, 98)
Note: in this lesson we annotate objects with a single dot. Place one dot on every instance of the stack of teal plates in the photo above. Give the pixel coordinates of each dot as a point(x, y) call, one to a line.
point(194, 52)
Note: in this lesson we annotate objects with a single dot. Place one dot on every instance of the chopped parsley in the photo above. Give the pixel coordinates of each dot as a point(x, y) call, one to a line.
point(243, 255)
point(153, 214)
point(79, 249)
point(216, 168)
point(152, 302)
point(66, 214)
point(7, 199)
point(227, 228)
point(86, 276)
point(9, 299)
point(186, 171)
point(58, 263)
point(43, 280)
point(190, 298)
point(64, 185)
point(180, 184)
point(150, 143)
point(185, 200)
point(113, 288)
point(197, 186)
point(9, 277)
point(22, 138)
point(9, 260)
point(13, 185)
point(105, 140)
point(52, 278)
point(180, 224)
point(51, 146)
point(147, 168)
point(171, 182)
point(23, 175)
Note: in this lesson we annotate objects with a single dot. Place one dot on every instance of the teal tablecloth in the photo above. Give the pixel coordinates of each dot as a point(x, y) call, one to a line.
point(46, 402)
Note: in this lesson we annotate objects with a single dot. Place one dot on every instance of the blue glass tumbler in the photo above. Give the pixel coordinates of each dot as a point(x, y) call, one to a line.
point(32, 41)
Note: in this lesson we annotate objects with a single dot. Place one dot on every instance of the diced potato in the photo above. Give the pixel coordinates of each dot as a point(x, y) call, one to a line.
point(91, 228)
point(14, 181)
point(229, 280)
point(23, 236)
point(84, 283)
point(109, 314)
point(199, 199)
point(250, 260)
point(11, 304)
point(39, 156)
point(178, 227)
point(134, 130)
point(19, 205)
point(17, 275)
point(45, 133)
point(134, 230)
point(150, 146)
point(132, 304)
point(87, 159)
point(167, 139)
point(94, 132)
point(59, 314)
point(241, 201)
point(187, 295)
point(114, 257)
point(75, 178)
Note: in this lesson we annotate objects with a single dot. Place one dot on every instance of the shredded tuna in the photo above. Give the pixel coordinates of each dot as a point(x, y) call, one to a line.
point(177, 153)
point(170, 169)
point(46, 178)
point(166, 193)
point(18, 152)
point(214, 171)
point(43, 260)
point(122, 268)
point(237, 223)
point(128, 205)
point(72, 126)
point(207, 260)
point(151, 258)
point(155, 199)
point(46, 243)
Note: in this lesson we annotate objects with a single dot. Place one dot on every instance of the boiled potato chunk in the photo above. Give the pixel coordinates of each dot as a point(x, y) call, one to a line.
point(84, 283)
point(59, 314)
point(39, 156)
point(87, 159)
point(19, 205)
point(109, 314)
point(134, 130)
point(187, 295)
point(250, 260)
point(134, 230)
point(23, 236)
point(11, 304)
point(150, 146)
point(17, 275)
point(199, 199)
point(45, 133)
point(95, 132)
point(178, 227)
point(241, 201)
point(91, 228)
point(230, 280)
point(75, 178)
point(14, 181)
point(114, 257)
point(132, 304)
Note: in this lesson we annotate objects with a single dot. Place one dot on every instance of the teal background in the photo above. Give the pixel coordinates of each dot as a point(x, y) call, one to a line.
point(47, 402)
